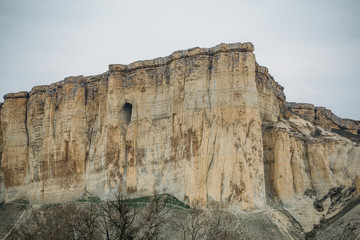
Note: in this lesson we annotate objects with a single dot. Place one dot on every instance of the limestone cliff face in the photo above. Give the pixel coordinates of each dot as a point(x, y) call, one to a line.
point(271, 96)
point(205, 125)
point(188, 125)
point(312, 171)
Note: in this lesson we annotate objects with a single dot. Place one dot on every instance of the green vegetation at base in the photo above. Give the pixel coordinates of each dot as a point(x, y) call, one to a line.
point(167, 199)
point(90, 199)
point(174, 201)
point(23, 201)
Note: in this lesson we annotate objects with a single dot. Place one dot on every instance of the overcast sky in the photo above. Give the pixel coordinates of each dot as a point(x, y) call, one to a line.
point(312, 48)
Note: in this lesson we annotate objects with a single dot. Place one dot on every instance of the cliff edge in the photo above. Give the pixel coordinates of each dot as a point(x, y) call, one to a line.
point(208, 126)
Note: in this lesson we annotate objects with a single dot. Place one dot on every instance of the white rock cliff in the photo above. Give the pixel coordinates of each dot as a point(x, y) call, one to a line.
point(205, 125)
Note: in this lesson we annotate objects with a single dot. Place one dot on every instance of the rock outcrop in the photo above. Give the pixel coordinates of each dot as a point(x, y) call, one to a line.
point(323, 117)
point(205, 125)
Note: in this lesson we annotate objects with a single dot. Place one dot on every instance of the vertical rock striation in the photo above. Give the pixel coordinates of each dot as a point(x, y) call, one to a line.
point(205, 125)
point(187, 124)
point(303, 163)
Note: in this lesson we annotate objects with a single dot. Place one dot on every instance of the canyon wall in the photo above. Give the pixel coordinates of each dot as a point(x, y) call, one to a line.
point(205, 125)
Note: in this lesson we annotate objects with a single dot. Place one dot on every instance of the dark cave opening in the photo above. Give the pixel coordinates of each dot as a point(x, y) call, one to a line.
point(127, 112)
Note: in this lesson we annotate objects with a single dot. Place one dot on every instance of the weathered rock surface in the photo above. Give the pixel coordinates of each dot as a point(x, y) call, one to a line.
point(326, 119)
point(301, 168)
point(159, 125)
point(205, 125)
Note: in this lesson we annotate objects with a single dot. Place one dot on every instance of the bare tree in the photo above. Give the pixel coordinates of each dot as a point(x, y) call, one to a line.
point(220, 225)
point(191, 224)
point(85, 224)
point(118, 218)
point(148, 218)
point(154, 217)
point(68, 221)
point(196, 224)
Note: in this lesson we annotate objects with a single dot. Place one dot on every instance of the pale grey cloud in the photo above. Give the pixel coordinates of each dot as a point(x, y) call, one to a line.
point(312, 48)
